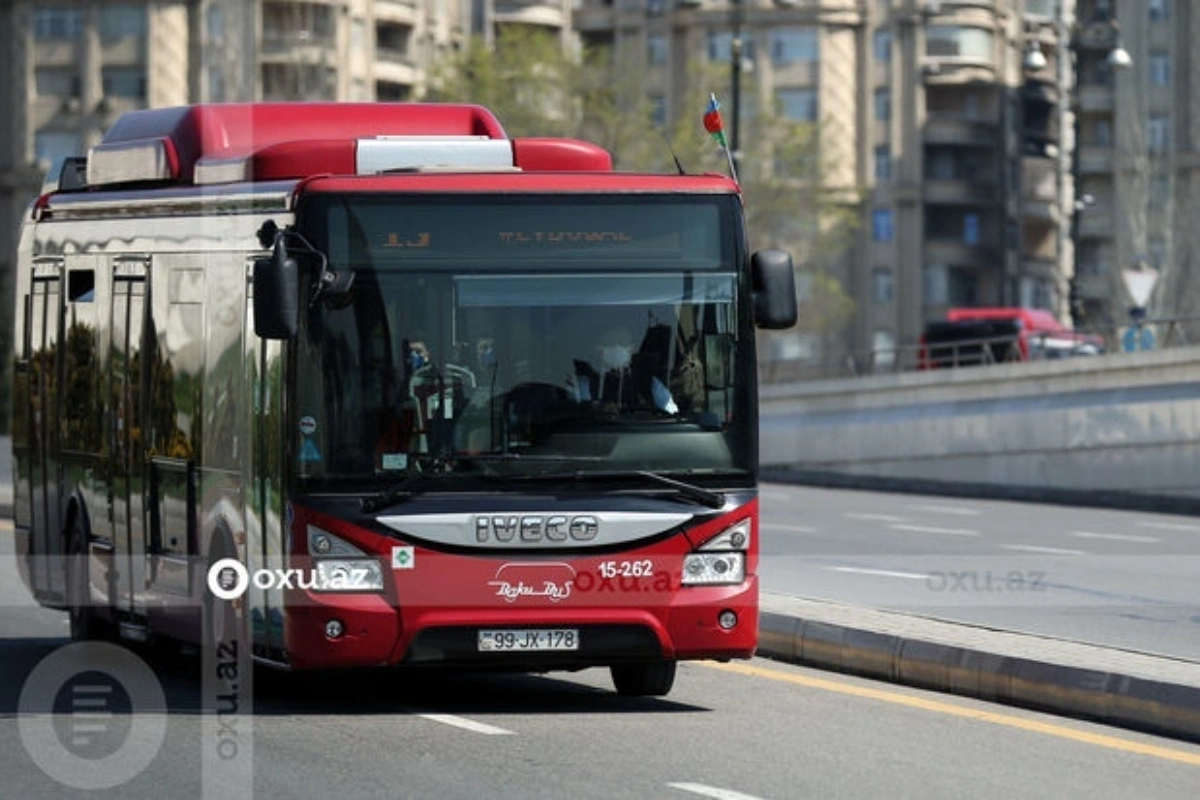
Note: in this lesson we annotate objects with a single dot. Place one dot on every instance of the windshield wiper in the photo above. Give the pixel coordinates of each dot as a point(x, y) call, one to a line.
point(406, 489)
point(688, 491)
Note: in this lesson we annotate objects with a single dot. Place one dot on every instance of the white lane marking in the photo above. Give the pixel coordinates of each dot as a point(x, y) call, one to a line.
point(1033, 548)
point(886, 573)
point(872, 517)
point(928, 529)
point(1114, 537)
point(712, 791)
point(465, 724)
point(775, 526)
point(1168, 526)
point(958, 510)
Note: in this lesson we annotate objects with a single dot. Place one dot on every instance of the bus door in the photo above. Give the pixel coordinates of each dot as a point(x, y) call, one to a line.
point(125, 401)
point(43, 327)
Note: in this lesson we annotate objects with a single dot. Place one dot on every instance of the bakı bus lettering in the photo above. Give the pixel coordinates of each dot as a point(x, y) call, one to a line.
point(526, 528)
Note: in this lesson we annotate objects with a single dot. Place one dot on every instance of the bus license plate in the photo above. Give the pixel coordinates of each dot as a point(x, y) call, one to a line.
point(529, 639)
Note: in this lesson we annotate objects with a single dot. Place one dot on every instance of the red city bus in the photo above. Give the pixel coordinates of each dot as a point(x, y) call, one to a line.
point(377, 385)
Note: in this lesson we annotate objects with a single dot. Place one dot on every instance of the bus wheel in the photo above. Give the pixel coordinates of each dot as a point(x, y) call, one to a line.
point(84, 624)
point(650, 679)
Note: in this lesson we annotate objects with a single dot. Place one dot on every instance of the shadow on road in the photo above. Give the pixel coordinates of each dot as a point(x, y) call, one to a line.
point(365, 692)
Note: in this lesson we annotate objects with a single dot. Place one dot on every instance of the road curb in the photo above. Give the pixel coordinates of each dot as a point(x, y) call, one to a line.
point(1116, 687)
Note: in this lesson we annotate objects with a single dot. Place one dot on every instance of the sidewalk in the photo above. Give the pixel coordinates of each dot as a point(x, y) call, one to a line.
point(1115, 687)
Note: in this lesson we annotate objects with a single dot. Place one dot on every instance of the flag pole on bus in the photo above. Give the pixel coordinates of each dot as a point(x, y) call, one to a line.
point(714, 125)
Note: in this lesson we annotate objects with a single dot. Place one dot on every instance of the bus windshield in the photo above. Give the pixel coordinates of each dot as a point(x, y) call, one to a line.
point(540, 337)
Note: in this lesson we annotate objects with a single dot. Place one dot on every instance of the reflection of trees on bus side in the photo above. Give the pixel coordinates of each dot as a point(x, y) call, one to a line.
point(82, 422)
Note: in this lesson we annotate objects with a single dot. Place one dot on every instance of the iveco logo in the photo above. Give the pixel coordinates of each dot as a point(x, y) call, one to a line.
point(526, 528)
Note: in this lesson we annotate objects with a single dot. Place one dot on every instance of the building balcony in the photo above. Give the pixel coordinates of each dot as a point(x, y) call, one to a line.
point(960, 192)
point(396, 70)
point(1096, 160)
point(1095, 98)
point(954, 129)
point(1096, 222)
point(404, 12)
point(298, 47)
point(951, 251)
point(57, 53)
point(529, 12)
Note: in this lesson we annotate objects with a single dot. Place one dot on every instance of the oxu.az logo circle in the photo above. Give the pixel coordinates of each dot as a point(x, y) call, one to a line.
point(228, 579)
point(92, 715)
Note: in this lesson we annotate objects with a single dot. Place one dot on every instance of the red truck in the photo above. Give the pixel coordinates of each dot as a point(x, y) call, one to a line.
point(974, 336)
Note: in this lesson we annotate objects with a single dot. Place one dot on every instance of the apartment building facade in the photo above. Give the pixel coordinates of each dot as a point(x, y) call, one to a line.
point(953, 121)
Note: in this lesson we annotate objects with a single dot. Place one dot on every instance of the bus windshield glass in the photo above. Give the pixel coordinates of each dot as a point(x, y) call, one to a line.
point(503, 337)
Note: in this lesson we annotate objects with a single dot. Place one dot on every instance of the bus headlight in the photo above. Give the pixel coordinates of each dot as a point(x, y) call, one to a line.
point(707, 569)
point(721, 560)
point(348, 575)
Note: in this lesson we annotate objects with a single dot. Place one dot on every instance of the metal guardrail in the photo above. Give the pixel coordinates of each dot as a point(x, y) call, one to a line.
point(1164, 333)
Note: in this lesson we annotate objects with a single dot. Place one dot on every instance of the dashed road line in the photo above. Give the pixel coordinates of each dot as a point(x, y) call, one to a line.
point(872, 517)
point(1115, 537)
point(778, 526)
point(1052, 551)
point(1169, 526)
point(931, 529)
point(466, 724)
point(885, 573)
point(957, 510)
point(712, 791)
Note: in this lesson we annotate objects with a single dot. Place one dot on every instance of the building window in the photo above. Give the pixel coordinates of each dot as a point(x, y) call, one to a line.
point(882, 289)
point(882, 46)
point(798, 104)
point(1158, 10)
point(881, 225)
point(50, 146)
point(214, 22)
point(955, 41)
point(56, 82)
point(883, 164)
point(971, 229)
point(216, 83)
point(720, 47)
point(883, 349)
point(656, 50)
point(963, 288)
point(658, 109)
point(1159, 69)
point(126, 82)
point(118, 22)
point(1102, 133)
point(791, 44)
point(57, 23)
point(1158, 133)
point(883, 104)
point(935, 288)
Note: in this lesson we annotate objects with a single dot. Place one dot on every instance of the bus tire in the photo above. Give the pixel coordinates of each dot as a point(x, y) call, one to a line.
point(647, 679)
point(85, 626)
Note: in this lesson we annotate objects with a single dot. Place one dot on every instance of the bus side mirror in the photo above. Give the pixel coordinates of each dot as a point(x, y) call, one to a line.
point(276, 294)
point(774, 289)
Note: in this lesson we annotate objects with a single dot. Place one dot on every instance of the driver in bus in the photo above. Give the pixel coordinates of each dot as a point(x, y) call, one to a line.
point(626, 378)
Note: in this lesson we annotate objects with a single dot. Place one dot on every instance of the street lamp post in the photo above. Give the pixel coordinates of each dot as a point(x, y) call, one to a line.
point(735, 55)
point(1119, 59)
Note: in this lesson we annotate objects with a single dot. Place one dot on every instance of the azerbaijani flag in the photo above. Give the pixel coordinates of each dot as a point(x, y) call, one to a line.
point(712, 121)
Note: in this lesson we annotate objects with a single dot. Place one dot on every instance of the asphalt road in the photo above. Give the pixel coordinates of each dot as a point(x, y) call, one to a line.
point(1118, 578)
point(746, 730)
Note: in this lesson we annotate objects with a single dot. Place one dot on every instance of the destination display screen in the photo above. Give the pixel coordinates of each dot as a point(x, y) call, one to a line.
point(631, 232)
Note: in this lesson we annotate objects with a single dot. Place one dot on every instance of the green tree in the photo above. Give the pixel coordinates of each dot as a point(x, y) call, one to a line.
point(537, 88)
